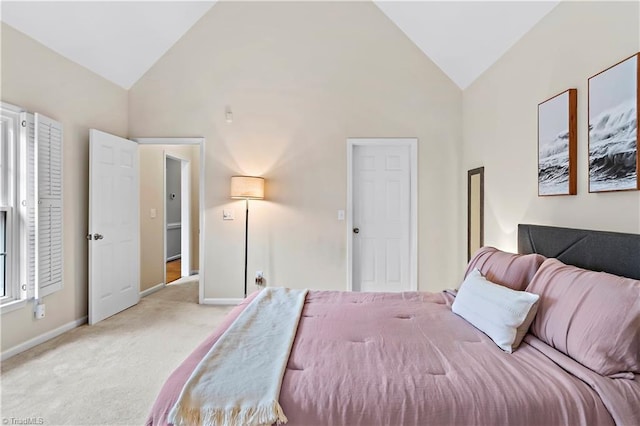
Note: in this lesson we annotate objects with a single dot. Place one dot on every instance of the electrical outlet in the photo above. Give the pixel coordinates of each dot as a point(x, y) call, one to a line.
point(228, 215)
point(40, 311)
point(259, 278)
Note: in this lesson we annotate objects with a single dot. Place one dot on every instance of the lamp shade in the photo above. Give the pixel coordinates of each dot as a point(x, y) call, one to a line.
point(247, 187)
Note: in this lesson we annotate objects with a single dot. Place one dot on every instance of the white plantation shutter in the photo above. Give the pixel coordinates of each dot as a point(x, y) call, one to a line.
point(28, 207)
point(38, 206)
point(49, 248)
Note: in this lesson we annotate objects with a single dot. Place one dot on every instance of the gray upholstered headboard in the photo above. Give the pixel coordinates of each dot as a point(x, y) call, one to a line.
point(612, 252)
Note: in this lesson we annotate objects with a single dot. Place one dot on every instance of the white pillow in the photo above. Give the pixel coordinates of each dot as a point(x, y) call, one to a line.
point(501, 313)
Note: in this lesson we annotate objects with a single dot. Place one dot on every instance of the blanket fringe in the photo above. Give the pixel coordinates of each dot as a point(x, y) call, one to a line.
point(236, 416)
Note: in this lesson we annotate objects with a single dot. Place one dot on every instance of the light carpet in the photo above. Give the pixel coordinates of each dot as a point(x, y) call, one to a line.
point(109, 373)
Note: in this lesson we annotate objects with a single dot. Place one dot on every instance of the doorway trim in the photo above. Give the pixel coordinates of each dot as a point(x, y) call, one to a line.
point(188, 141)
point(412, 143)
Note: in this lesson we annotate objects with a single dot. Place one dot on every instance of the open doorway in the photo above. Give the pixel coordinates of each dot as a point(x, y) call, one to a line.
point(170, 222)
point(177, 194)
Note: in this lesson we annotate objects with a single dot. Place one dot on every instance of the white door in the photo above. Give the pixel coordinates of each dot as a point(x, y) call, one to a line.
point(381, 218)
point(114, 259)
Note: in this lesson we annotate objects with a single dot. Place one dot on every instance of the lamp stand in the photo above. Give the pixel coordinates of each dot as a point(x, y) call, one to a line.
point(246, 244)
point(246, 188)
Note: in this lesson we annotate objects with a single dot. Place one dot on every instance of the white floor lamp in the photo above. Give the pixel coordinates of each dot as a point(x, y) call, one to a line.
point(247, 188)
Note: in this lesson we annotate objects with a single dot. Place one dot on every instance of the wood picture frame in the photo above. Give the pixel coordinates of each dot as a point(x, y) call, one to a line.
point(558, 144)
point(475, 210)
point(613, 105)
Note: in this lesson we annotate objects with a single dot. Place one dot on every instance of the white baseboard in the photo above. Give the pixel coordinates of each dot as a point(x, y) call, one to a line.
point(175, 257)
point(194, 272)
point(225, 301)
point(152, 290)
point(42, 338)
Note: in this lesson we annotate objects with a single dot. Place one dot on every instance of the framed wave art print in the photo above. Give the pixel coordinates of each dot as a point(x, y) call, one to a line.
point(613, 127)
point(557, 144)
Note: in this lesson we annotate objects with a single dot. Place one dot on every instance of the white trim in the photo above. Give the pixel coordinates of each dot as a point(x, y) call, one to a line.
point(12, 305)
point(412, 143)
point(175, 225)
point(164, 214)
point(11, 107)
point(24, 272)
point(12, 291)
point(193, 272)
point(152, 290)
point(350, 146)
point(202, 143)
point(202, 234)
point(42, 338)
point(169, 141)
point(185, 217)
point(13, 231)
point(172, 258)
point(222, 301)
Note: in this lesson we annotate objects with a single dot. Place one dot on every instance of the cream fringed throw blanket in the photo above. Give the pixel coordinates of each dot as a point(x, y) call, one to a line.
point(238, 381)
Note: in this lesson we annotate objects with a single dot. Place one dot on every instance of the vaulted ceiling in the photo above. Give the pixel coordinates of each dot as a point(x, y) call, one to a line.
point(121, 40)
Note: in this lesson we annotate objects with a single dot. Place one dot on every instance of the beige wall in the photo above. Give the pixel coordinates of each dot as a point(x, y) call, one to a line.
point(302, 77)
point(575, 41)
point(152, 258)
point(40, 80)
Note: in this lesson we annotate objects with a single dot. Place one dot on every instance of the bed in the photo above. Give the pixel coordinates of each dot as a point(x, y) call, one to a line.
point(407, 359)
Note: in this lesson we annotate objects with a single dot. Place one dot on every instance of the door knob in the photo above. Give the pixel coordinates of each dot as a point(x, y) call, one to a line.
point(356, 230)
point(98, 236)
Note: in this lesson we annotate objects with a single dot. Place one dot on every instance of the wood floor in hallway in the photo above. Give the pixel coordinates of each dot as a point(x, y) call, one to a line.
point(173, 270)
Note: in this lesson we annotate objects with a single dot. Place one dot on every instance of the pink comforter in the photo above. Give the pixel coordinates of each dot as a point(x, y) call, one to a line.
point(406, 359)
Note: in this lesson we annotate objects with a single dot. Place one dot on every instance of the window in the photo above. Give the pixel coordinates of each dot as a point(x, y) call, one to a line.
point(30, 206)
point(3, 252)
point(9, 147)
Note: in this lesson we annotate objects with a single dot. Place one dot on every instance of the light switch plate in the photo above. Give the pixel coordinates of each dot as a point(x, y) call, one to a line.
point(153, 213)
point(340, 214)
point(227, 215)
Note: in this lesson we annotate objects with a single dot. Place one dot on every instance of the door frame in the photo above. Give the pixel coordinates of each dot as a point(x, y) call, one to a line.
point(412, 143)
point(185, 214)
point(187, 141)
